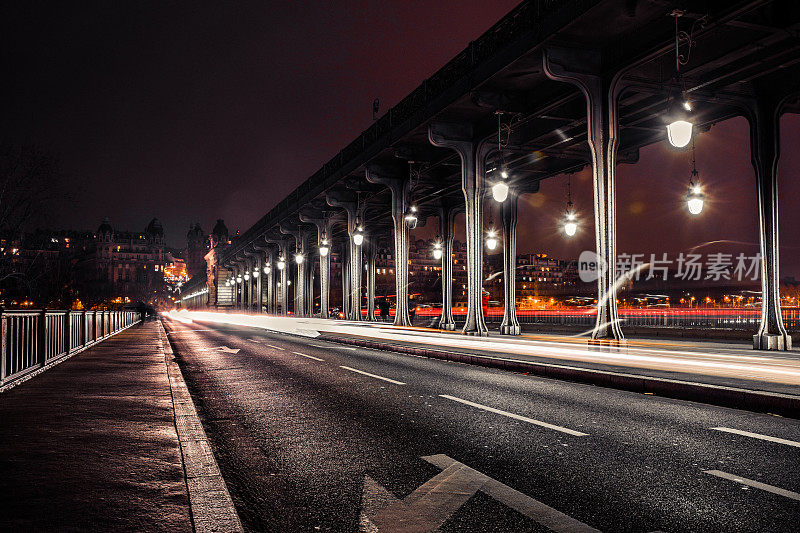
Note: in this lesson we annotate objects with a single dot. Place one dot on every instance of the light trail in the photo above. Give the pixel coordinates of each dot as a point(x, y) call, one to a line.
point(779, 370)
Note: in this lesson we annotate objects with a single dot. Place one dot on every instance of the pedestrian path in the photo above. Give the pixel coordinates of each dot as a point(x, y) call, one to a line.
point(91, 444)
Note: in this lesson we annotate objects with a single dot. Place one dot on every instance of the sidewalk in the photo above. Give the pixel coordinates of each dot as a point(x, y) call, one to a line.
point(91, 444)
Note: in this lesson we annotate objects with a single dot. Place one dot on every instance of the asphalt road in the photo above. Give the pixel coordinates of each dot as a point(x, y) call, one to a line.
point(315, 436)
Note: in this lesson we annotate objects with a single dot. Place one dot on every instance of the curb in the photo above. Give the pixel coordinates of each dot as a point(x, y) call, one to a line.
point(210, 502)
point(737, 398)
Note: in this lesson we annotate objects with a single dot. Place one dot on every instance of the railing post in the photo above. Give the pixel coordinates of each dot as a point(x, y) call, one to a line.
point(3, 346)
point(84, 325)
point(94, 332)
point(42, 334)
point(67, 331)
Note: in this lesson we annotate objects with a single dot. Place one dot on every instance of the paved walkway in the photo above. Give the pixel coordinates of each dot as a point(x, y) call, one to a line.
point(91, 443)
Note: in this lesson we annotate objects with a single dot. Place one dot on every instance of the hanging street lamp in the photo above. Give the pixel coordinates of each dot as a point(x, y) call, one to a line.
point(491, 239)
point(358, 234)
point(411, 217)
point(324, 248)
point(267, 268)
point(298, 258)
point(437, 250)
point(695, 198)
point(281, 263)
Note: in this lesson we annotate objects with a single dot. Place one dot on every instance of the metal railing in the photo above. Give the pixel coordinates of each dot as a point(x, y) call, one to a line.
point(33, 339)
point(730, 318)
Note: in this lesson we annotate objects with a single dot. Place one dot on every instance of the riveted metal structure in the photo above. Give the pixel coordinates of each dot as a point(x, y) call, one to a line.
point(588, 83)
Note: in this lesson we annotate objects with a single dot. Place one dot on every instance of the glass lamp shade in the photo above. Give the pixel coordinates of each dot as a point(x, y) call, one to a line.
point(247, 277)
point(298, 258)
point(500, 191)
point(570, 223)
point(324, 249)
point(255, 274)
point(267, 269)
point(679, 133)
point(239, 279)
point(358, 238)
point(491, 240)
point(281, 264)
point(695, 199)
point(437, 253)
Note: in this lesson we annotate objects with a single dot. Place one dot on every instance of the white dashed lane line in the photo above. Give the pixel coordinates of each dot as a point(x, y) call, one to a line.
point(516, 417)
point(755, 484)
point(758, 436)
point(372, 375)
point(309, 356)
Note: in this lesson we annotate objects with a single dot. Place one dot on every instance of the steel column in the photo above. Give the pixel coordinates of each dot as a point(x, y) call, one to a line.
point(447, 218)
point(399, 184)
point(510, 324)
point(372, 252)
point(601, 92)
point(764, 118)
point(460, 138)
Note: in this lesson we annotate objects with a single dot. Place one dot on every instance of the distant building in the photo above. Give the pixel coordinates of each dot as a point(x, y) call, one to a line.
point(196, 248)
point(104, 267)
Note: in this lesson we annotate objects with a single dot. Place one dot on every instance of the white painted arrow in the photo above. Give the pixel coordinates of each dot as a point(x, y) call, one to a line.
point(222, 349)
point(428, 507)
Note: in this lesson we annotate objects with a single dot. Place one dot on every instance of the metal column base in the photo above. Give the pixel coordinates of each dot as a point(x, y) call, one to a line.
point(772, 341)
point(483, 333)
point(510, 330)
point(448, 327)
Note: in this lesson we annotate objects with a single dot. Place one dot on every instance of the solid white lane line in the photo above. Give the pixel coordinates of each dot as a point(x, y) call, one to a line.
point(758, 436)
point(372, 375)
point(516, 417)
point(276, 347)
point(309, 356)
point(756, 484)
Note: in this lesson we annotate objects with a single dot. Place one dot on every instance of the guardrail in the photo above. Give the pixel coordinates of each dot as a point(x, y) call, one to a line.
point(33, 339)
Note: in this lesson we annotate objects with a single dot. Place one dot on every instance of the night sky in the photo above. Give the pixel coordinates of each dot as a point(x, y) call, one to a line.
point(191, 112)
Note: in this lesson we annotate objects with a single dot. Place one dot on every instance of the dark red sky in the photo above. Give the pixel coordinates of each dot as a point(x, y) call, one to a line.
point(190, 111)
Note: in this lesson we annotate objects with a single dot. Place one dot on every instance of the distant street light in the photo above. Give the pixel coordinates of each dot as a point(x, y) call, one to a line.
point(324, 248)
point(298, 258)
point(437, 250)
point(267, 268)
point(255, 274)
point(570, 223)
point(695, 198)
point(411, 217)
point(358, 235)
point(491, 239)
point(281, 263)
point(246, 276)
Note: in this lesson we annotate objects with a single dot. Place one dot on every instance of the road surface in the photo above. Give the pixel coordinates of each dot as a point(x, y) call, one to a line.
point(316, 436)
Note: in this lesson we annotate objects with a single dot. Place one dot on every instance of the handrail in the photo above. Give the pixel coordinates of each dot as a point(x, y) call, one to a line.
point(34, 339)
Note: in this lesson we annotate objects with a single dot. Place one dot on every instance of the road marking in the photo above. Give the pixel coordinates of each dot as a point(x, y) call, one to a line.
point(221, 349)
point(309, 356)
point(372, 375)
point(516, 417)
point(758, 436)
point(276, 347)
point(756, 484)
point(432, 504)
